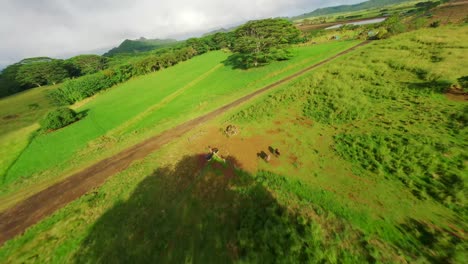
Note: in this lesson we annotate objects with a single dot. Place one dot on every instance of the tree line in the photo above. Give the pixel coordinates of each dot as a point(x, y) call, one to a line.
point(39, 71)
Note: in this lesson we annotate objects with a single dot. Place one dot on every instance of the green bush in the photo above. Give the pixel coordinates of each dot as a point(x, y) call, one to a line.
point(435, 24)
point(78, 89)
point(59, 118)
point(463, 82)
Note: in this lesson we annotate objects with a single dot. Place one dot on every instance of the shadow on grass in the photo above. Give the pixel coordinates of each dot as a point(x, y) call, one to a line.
point(433, 243)
point(235, 61)
point(82, 114)
point(430, 86)
point(197, 212)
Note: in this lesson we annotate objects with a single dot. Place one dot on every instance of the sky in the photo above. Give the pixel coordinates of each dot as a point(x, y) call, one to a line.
point(63, 28)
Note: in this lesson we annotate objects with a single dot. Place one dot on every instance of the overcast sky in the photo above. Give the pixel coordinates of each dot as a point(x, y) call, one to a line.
point(60, 28)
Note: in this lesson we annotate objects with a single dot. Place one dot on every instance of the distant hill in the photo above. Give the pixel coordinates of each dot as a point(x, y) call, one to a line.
point(349, 8)
point(140, 45)
point(221, 30)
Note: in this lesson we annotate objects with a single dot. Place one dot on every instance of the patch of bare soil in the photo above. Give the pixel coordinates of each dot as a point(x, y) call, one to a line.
point(243, 149)
point(10, 117)
point(451, 12)
point(456, 94)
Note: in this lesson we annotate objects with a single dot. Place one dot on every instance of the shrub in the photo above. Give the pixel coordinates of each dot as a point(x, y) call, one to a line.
point(435, 24)
point(463, 82)
point(59, 118)
point(382, 34)
point(78, 89)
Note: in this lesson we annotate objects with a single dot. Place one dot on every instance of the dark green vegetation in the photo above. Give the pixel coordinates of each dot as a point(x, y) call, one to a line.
point(463, 82)
point(260, 42)
point(140, 45)
point(36, 72)
point(88, 64)
point(59, 118)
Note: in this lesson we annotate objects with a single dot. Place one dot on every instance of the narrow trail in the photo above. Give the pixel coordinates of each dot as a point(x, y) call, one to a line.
point(15, 220)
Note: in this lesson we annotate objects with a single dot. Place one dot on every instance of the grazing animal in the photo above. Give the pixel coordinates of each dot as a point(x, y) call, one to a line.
point(277, 152)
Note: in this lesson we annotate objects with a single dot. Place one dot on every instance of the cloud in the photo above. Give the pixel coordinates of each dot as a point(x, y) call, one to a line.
point(57, 27)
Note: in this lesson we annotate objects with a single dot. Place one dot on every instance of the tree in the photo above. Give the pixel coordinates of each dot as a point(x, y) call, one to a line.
point(198, 44)
point(59, 118)
point(8, 83)
point(222, 40)
point(39, 73)
point(261, 41)
point(394, 25)
point(88, 64)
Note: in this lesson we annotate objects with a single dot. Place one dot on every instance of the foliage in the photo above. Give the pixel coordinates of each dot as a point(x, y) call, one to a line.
point(463, 82)
point(41, 73)
point(88, 64)
point(435, 24)
point(59, 118)
point(78, 89)
point(262, 41)
point(394, 25)
point(8, 83)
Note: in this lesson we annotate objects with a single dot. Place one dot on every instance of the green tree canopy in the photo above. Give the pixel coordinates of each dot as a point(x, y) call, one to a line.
point(41, 73)
point(88, 64)
point(261, 41)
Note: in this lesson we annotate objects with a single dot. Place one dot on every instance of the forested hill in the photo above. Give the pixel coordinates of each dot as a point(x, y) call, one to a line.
point(349, 8)
point(140, 45)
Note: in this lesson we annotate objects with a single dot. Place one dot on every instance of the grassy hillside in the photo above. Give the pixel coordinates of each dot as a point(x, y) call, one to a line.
point(372, 169)
point(350, 8)
point(147, 105)
point(18, 120)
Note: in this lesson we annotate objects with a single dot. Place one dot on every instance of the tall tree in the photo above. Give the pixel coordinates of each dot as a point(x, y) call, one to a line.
point(88, 64)
point(41, 73)
point(261, 41)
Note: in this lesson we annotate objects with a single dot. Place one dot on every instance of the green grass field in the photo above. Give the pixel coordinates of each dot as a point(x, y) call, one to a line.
point(142, 107)
point(372, 169)
point(18, 121)
point(362, 14)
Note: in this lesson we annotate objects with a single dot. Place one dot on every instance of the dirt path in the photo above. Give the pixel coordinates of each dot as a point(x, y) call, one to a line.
point(17, 219)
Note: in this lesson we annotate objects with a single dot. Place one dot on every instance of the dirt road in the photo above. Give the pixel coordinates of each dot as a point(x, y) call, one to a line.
point(17, 219)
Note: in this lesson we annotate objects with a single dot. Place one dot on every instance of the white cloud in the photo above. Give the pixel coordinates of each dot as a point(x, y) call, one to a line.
point(57, 27)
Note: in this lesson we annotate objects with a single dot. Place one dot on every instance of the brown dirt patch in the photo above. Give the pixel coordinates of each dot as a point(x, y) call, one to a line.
point(10, 117)
point(452, 12)
point(243, 149)
point(458, 95)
